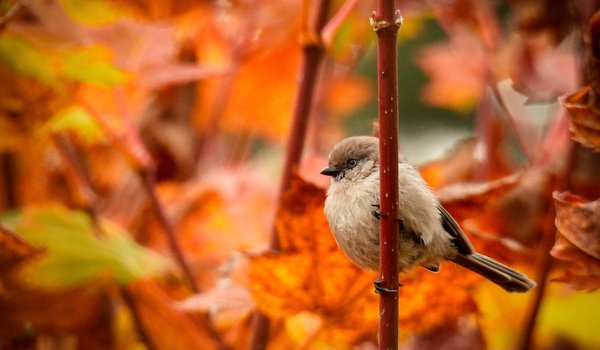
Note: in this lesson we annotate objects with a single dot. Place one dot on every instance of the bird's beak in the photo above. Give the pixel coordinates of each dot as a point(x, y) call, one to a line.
point(330, 171)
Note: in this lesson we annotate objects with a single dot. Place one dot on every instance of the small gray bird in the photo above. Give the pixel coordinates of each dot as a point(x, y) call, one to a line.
point(428, 233)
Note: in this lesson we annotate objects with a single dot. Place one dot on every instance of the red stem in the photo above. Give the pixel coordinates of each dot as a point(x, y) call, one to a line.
point(312, 56)
point(385, 24)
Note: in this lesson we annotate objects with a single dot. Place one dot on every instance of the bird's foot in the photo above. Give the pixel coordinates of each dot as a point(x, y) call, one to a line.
point(379, 289)
point(377, 213)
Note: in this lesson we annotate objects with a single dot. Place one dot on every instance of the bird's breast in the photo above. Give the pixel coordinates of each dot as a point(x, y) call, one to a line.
point(349, 210)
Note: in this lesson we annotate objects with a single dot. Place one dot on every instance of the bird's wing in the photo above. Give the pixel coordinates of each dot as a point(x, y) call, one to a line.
point(459, 239)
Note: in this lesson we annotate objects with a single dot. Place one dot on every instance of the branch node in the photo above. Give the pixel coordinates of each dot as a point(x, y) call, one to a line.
point(377, 24)
point(398, 20)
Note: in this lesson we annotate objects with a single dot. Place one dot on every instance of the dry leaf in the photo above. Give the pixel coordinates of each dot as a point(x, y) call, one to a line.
point(465, 200)
point(584, 121)
point(578, 240)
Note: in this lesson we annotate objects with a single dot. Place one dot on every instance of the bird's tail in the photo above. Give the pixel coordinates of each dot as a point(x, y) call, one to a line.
point(507, 278)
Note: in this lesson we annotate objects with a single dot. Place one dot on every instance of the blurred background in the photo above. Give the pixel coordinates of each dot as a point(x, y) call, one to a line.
point(142, 181)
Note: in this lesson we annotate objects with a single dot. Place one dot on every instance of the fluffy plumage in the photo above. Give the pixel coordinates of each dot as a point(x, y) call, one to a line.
point(428, 233)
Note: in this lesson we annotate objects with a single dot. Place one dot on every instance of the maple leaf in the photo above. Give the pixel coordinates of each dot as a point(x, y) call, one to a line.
point(583, 120)
point(578, 240)
point(310, 274)
point(481, 211)
point(500, 217)
point(310, 271)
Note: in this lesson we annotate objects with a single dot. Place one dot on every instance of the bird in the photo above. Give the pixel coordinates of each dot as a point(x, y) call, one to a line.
point(427, 232)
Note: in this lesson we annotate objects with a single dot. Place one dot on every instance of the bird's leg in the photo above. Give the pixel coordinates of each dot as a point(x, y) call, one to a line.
point(379, 289)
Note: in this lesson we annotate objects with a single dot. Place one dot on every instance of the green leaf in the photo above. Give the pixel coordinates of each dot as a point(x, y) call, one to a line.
point(75, 254)
point(93, 65)
point(77, 120)
point(25, 58)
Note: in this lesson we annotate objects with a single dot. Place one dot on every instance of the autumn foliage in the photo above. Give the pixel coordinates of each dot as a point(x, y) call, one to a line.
point(142, 145)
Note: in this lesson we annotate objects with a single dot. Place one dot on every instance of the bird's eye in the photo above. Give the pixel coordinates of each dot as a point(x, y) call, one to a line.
point(351, 163)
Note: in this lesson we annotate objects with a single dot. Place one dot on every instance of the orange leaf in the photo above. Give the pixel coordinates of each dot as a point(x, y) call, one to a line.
point(310, 274)
point(578, 241)
point(431, 300)
point(584, 121)
point(164, 324)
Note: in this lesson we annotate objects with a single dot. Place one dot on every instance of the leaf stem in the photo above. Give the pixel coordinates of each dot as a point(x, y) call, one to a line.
point(386, 23)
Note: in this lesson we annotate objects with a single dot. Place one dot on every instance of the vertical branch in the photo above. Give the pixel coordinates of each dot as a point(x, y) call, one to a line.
point(386, 23)
point(312, 56)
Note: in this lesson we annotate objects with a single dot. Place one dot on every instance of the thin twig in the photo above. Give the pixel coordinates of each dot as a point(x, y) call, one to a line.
point(312, 56)
point(334, 24)
point(386, 23)
point(78, 178)
point(148, 182)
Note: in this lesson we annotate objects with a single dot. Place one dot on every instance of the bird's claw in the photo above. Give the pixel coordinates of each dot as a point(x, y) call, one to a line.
point(379, 289)
point(377, 213)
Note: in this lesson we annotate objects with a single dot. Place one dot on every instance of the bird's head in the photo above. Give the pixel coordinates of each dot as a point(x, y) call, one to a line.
point(353, 159)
